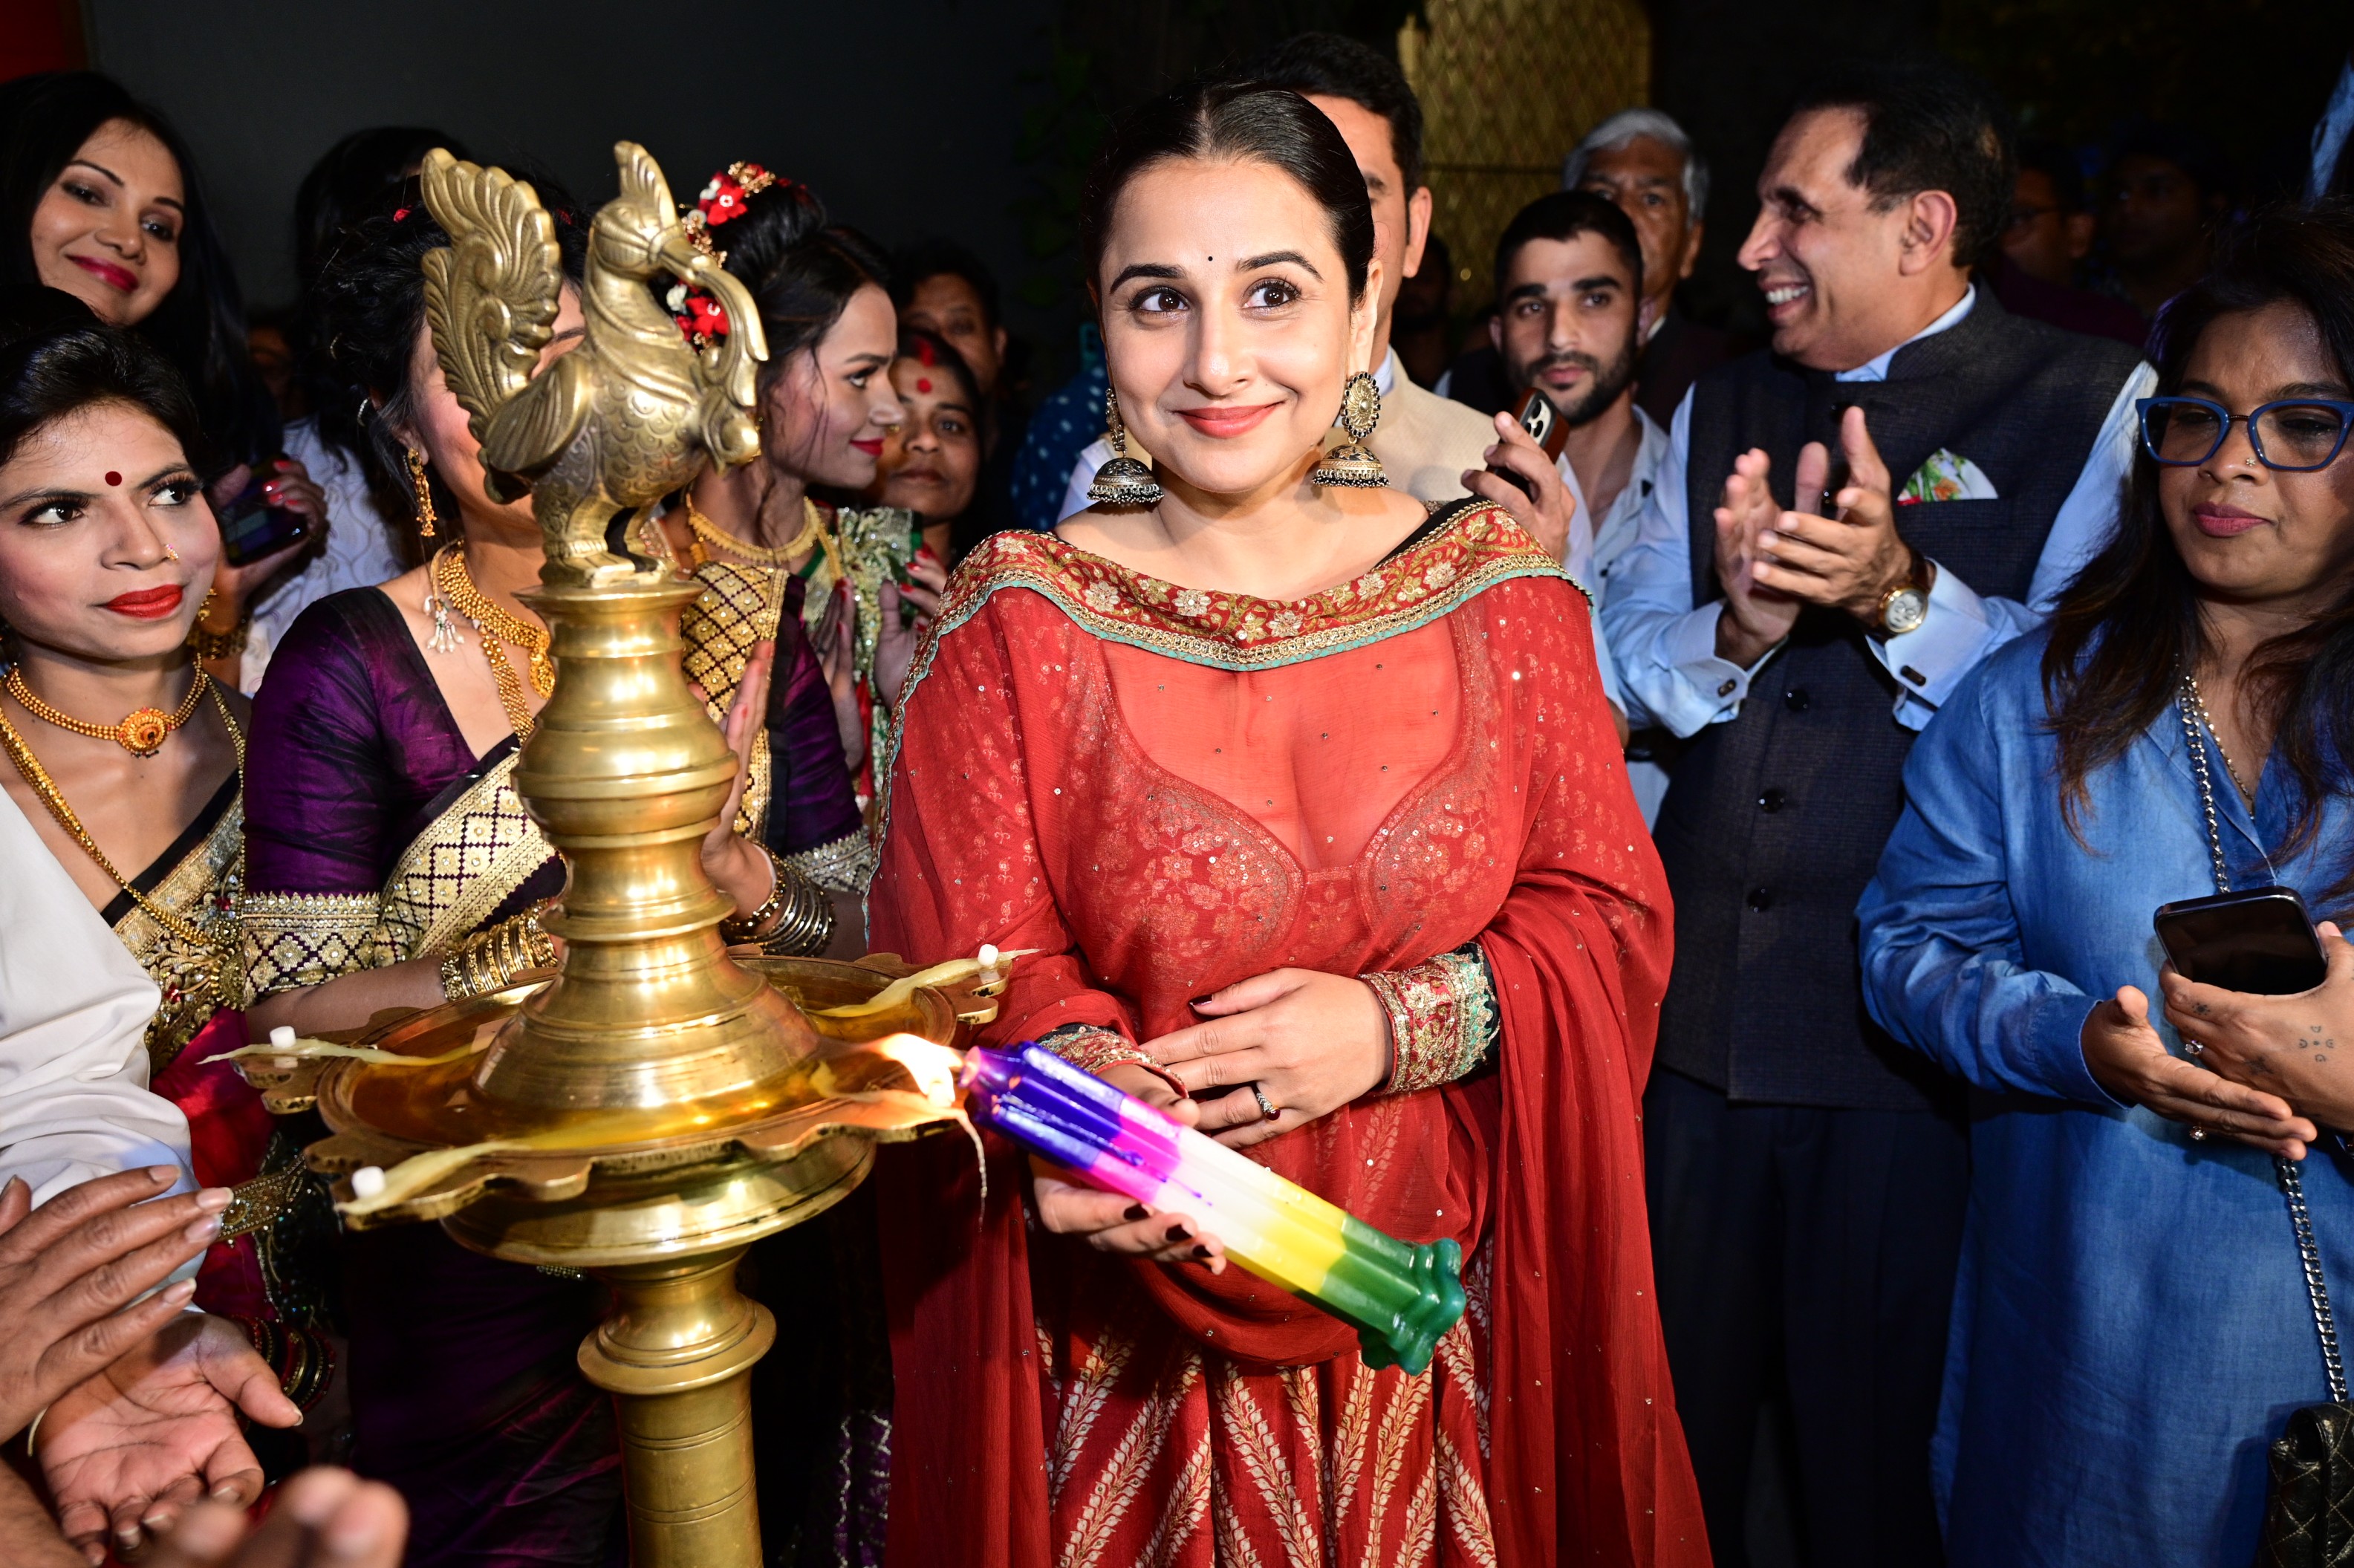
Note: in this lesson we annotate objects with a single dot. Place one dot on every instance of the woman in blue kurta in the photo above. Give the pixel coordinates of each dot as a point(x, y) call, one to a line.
point(2131, 1326)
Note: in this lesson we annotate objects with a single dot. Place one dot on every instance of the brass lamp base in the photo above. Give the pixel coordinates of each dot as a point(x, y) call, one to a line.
point(674, 1352)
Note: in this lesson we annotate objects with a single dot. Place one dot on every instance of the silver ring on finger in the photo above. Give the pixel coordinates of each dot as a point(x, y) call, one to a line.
point(2191, 1047)
point(1266, 1106)
point(2198, 1134)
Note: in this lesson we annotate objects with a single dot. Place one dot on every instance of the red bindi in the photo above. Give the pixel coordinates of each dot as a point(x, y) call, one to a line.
point(112, 477)
point(923, 383)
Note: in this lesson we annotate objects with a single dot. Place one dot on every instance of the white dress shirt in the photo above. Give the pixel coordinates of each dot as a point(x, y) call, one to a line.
point(1595, 548)
point(1666, 646)
point(74, 1007)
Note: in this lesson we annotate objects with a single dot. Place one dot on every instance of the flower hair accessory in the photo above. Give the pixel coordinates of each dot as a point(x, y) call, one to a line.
point(724, 200)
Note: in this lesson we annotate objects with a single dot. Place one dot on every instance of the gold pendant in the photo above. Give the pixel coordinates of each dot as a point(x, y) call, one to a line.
point(141, 734)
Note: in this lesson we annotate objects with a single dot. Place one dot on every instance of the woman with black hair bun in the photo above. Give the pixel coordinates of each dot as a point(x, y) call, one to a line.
point(826, 405)
point(100, 198)
point(1306, 803)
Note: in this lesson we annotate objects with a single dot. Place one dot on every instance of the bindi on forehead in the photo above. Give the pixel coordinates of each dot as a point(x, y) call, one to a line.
point(113, 477)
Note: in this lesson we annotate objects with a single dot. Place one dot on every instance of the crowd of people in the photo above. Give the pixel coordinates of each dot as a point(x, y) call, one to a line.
point(1703, 866)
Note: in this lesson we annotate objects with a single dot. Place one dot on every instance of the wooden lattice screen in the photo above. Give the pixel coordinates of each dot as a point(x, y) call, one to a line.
point(1508, 86)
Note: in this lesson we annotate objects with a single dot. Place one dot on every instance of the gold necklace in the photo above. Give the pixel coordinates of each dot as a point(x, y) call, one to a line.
point(141, 734)
point(718, 538)
point(53, 799)
point(457, 589)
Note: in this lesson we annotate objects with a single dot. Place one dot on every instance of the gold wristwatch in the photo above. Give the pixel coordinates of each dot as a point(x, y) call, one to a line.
point(1903, 608)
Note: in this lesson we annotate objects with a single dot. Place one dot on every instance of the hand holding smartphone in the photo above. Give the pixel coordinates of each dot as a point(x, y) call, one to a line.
point(2259, 941)
point(251, 529)
point(1542, 421)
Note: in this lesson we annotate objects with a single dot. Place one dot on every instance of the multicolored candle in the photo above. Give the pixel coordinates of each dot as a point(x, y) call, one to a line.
point(1400, 1296)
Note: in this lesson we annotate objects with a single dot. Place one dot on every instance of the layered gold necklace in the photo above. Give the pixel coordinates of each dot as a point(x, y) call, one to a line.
point(53, 799)
point(456, 588)
point(141, 732)
point(718, 538)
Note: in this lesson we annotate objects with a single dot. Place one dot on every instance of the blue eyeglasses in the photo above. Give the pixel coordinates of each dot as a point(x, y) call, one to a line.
point(2295, 435)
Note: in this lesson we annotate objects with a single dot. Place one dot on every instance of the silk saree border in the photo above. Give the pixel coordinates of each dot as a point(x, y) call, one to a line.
point(1470, 553)
point(467, 861)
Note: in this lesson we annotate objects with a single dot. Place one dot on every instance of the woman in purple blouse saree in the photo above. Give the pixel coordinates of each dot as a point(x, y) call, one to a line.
point(389, 864)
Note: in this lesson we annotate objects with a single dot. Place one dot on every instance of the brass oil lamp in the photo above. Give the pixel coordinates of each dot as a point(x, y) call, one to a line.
point(655, 1106)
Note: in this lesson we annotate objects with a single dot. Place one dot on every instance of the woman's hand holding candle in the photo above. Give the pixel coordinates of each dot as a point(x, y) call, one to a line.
point(1117, 1224)
point(1310, 1042)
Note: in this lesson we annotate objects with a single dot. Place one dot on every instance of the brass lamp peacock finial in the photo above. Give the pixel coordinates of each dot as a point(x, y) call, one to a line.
point(606, 431)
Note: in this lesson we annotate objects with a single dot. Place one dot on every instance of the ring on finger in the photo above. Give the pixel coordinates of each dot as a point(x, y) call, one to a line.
point(2198, 1134)
point(2191, 1047)
point(1266, 1106)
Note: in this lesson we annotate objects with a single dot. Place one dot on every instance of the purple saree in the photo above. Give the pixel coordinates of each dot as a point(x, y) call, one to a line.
point(373, 835)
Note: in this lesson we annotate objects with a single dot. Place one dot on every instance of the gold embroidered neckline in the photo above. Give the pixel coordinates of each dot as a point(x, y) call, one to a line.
point(1193, 603)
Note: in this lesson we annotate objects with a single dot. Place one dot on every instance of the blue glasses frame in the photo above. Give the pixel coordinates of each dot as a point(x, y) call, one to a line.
point(2146, 406)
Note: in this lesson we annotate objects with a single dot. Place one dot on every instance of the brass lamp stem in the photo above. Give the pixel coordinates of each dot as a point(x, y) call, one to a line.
point(674, 1352)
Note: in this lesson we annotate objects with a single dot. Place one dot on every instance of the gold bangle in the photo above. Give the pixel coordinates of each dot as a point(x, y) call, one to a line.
point(490, 960)
point(741, 929)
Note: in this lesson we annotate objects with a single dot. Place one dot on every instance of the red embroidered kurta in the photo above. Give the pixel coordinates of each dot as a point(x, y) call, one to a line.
point(1168, 791)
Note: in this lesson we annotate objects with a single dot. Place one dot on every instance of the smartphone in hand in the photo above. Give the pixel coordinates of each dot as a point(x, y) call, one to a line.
point(2258, 940)
point(1541, 418)
point(251, 529)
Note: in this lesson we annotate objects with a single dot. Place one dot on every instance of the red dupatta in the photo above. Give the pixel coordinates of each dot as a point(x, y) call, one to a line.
point(1167, 790)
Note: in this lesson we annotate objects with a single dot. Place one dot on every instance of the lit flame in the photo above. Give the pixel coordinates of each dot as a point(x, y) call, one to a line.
point(935, 1068)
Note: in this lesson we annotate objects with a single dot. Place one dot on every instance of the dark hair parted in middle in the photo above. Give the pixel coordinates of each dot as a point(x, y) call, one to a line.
point(801, 270)
point(57, 359)
point(1926, 128)
point(1565, 215)
point(1232, 120)
point(2130, 624)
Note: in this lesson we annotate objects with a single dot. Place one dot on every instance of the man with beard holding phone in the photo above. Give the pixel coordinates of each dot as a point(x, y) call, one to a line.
point(1798, 622)
point(1570, 324)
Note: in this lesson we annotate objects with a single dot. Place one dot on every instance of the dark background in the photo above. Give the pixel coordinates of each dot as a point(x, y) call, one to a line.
point(919, 117)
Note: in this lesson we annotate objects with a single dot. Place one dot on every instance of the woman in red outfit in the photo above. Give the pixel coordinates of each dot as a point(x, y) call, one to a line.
point(1311, 806)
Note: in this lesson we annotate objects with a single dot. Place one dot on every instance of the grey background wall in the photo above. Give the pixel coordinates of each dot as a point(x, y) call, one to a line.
point(903, 116)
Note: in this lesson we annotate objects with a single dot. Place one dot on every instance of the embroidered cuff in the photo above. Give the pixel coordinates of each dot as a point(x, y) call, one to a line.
point(1442, 1018)
point(846, 865)
point(1092, 1048)
point(304, 938)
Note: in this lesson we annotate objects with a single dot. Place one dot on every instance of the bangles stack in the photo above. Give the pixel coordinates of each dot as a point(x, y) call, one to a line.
point(490, 960)
point(796, 922)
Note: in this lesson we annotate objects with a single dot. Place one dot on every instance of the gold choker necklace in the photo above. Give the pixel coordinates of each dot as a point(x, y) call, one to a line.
point(718, 538)
point(54, 798)
point(141, 733)
point(457, 589)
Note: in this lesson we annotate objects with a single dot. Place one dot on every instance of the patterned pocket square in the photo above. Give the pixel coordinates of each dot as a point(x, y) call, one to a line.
point(1946, 476)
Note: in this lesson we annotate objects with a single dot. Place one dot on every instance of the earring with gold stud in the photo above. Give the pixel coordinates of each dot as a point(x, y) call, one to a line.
point(1122, 482)
point(1351, 463)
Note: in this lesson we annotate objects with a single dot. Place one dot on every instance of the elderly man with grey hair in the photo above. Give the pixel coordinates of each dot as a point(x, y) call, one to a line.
point(1642, 161)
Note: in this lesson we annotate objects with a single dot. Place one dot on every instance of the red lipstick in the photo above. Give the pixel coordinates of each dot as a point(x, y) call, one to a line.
point(2217, 521)
point(871, 448)
point(107, 272)
point(1225, 423)
point(148, 604)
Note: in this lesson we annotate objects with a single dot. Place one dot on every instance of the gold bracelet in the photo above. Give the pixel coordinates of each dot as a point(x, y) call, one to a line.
point(489, 961)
